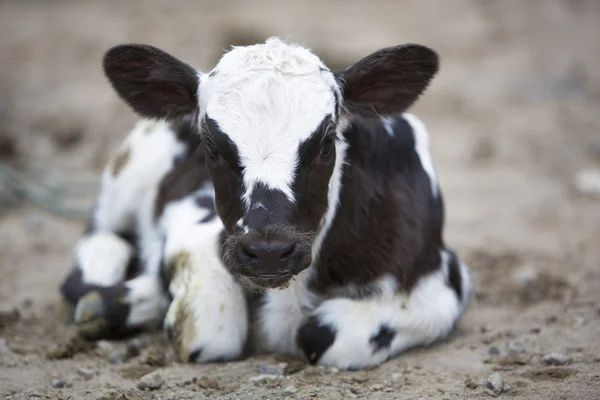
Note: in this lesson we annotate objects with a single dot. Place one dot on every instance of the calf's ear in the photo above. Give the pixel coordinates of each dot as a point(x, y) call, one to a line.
point(388, 81)
point(153, 83)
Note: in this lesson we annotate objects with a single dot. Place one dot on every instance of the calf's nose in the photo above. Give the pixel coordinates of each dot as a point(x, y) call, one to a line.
point(267, 257)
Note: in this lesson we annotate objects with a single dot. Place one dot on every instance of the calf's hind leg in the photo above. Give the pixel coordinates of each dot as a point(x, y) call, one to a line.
point(106, 303)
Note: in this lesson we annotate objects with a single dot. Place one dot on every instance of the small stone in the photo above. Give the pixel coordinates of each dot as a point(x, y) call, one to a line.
point(470, 384)
point(117, 357)
point(141, 342)
point(290, 390)
point(155, 357)
point(495, 383)
point(105, 347)
point(376, 387)
point(294, 366)
point(535, 330)
point(334, 370)
point(556, 359)
point(271, 369)
point(514, 347)
point(396, 375)
point(86, 373)
point(587, 182)
point(151, 381)
point(491, 393)
point(485, 328)
point(506, 388)
point(264, 378)
point(207, 383)
point(59, 383)
point(494, 351)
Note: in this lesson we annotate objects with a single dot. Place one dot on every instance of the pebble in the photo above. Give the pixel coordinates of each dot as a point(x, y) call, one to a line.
point(264, 378)
point(151, 381)
point(117, 357)
point(494, 351)
point(556, 359)
point(105, 347)
point(272, 369)
point(515, 347)
point(396, 375)
point(59, 383)
point(587, 181)
point(290, 390)
point(495, 383)
point(376, 387)
point(86, 373)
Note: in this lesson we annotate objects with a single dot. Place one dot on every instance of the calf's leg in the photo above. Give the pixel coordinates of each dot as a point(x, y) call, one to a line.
point(357, 333)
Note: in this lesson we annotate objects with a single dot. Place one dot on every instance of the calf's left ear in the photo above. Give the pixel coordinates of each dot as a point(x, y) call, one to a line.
point(154, 83)
point(388, 81)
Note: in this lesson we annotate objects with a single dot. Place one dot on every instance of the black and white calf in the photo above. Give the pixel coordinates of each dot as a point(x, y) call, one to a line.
point(273, 205)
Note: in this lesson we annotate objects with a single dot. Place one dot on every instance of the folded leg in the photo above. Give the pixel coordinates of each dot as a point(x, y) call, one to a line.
point(112, 288)
point(358, 333)
point(207, 319)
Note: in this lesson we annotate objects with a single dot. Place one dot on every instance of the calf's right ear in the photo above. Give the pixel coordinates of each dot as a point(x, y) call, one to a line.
point(154, 83)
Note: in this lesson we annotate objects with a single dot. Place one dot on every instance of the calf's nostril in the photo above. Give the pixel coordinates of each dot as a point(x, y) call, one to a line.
point(248, 253)
point(291, 248)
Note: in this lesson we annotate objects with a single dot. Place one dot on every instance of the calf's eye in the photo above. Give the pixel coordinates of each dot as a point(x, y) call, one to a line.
point(327, 147)
point(212, 151)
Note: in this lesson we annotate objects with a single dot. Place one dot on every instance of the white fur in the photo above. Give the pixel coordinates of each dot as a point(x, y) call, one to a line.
point(426, 314)
point(103, 258)
point(268, 98)
point(146, 300)
point(126, 199)
point(388, 124)
point(282, 312)
point(208, 305)
point(151, 146)
point(422, 148)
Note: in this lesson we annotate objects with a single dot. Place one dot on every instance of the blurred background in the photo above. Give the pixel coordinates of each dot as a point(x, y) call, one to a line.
point(514, 118)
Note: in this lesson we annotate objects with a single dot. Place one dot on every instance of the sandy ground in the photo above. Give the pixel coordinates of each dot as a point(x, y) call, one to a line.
point(514, 116)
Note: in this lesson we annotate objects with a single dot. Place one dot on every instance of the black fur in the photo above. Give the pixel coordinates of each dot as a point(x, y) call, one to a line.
point(314, 338)
point(388, 222)
point(382, 338)
point(154, 83)
point(454, 279)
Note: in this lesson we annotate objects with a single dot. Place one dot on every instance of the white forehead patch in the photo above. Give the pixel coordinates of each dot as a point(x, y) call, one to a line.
point(268, 98)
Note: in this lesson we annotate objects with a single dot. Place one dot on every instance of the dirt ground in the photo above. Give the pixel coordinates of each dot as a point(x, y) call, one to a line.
point(514, 117)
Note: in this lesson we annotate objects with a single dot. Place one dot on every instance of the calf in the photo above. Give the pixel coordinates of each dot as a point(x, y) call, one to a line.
point(272, 205)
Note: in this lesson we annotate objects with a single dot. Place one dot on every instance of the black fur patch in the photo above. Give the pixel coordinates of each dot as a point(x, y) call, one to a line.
point(115, 309)
point(383, 338)
point(387, 222)
point(194, 355)
point(314, 338)
point(454, 279)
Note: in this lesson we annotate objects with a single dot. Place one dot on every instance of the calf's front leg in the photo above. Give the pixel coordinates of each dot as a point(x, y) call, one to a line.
point(208, 318)
point(357, 333)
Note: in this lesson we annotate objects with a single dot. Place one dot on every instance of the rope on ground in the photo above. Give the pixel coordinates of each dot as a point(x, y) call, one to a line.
point(48, 193)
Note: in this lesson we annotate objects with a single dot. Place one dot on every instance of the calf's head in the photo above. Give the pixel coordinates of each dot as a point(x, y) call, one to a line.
point(272, 117)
